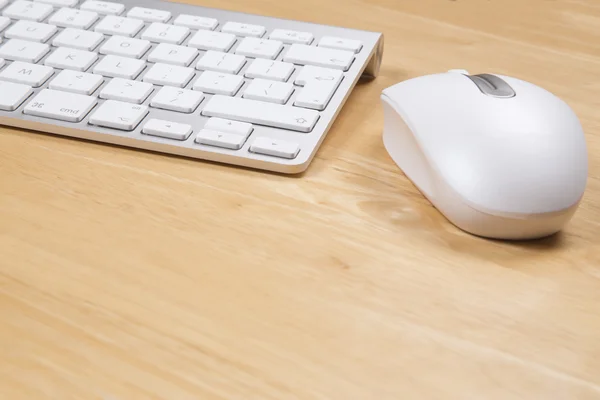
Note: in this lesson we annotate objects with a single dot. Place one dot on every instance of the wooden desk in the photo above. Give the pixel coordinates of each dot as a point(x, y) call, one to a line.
point(127, 275)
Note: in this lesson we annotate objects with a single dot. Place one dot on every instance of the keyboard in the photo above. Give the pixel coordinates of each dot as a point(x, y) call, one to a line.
point(209, 84)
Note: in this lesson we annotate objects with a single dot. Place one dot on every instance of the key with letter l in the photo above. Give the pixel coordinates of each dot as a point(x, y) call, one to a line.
point(119, 67)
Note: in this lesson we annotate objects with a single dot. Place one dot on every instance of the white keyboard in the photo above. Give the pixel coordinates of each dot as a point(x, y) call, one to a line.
point(209, 84)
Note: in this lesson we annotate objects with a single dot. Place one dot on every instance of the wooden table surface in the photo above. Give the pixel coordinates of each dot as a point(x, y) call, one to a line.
point(128, 275)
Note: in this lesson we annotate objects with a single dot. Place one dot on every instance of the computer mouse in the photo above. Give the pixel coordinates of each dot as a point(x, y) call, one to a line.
point(499, 157)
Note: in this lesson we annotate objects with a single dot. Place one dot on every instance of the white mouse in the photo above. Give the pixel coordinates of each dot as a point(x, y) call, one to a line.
point(497, 156)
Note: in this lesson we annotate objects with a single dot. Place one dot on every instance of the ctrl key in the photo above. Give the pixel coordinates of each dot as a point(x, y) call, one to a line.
point(275, 147)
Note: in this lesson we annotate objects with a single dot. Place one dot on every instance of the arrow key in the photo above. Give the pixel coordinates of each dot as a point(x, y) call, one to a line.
point(275, 147)
point(167, 129)
point(231, 141)
point(228, 126)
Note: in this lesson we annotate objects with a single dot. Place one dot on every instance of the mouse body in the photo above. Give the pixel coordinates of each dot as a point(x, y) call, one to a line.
point(497, 156)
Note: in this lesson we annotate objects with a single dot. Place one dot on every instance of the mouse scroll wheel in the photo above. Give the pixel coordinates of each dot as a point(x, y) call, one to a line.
point(492, 85)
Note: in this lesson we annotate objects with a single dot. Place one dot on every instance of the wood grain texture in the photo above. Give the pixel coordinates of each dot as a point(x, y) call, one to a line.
point(126, 275)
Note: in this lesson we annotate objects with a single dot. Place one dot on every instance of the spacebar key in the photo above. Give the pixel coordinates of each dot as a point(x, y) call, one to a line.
point(261, 113)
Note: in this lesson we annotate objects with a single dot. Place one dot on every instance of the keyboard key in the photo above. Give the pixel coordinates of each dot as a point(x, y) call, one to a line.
point(163, 33)
point(319, 56)
point(125, 46)
point(21, 50)
point(226, 125)
point(180, 100)
point(267, 69)
point(113, 25)
point(59, 105)
point(173, 54)
point(64, 58)
point(149, 14)
point(169, 75)
point(29, 30)
point(27, 74)
point(240, 29)
point(59, 3)
point(271, 91)
point(73, 18)
point(12, 95)
point(167, 129)
point(4, 22)
point(78, 39)
point(261, 113)
point(103, 7)
point(27, 10)
point(232, 141)
point(119, 67)
point(195, 22)
point(126, 90)
point(208, 40)
point(219, 83)
point(316, 95)
point(76, 82)
point(119, 115)
point(221, 62)
point(290, 37)
point(340, 43)
point(319, 84)
point(259, 48)
point(325, 75)
point(275, 147)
